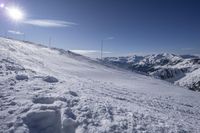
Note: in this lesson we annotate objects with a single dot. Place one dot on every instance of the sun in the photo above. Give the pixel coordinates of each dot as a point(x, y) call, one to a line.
point(2, 5)
point(15, 13)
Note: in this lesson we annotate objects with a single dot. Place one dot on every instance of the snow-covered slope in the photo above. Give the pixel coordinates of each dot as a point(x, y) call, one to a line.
point(181, 70)
point(46, 90)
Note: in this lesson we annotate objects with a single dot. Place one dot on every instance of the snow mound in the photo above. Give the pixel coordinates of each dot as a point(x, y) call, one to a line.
point(50, 79)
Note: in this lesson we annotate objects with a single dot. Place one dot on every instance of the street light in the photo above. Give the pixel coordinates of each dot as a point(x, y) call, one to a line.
point(102, 43)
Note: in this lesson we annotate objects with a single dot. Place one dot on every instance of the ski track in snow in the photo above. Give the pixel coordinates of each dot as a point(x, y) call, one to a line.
point(88, 97)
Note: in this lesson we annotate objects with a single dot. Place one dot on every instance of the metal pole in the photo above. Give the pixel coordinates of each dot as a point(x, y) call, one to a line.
point(101, 49)
point(5, 34)
point(24, 37)
point(49, 42)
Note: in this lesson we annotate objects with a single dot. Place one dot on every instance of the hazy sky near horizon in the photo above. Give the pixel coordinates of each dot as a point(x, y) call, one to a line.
point(136, 26)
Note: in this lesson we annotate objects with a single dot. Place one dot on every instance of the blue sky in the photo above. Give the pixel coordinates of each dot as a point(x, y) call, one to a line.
point(136, 26)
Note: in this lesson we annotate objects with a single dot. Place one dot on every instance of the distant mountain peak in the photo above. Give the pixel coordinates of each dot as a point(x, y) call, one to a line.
point(166, 66)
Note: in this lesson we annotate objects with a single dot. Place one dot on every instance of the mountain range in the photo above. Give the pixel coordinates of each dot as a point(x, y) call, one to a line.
point(182, 70)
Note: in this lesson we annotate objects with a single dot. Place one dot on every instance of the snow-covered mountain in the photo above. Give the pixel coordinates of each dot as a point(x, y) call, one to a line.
point(45, 90)
point(183, 70)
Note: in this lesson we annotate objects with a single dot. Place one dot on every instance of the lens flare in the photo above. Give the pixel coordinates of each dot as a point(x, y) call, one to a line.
point(2, 5)
point(15, 13)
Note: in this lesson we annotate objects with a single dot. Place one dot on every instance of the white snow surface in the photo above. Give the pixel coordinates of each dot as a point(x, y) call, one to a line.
point(192, 77)
point(45, 90)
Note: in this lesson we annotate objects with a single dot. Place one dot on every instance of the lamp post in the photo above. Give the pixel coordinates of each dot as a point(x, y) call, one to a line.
point(102, 43)
point(101, 49)
point(50, 39)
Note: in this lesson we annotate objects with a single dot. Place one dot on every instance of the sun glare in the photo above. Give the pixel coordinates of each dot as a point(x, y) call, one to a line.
point(2, 5)
point(15, 13)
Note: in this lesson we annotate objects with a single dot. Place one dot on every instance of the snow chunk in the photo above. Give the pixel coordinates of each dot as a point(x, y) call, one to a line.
point(21, 77)
point(69, 126)
point(48, 121)
point(50, 79)
point(43, 100)
point(69, 114)
point(73, 93)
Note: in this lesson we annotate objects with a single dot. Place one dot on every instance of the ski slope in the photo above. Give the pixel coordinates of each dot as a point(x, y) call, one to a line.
point(46, 90)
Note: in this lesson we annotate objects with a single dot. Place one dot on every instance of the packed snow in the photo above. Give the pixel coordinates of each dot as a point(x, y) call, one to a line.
point(45, 90)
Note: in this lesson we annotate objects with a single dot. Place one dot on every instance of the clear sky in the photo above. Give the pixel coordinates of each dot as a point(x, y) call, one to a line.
point(135, 26)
